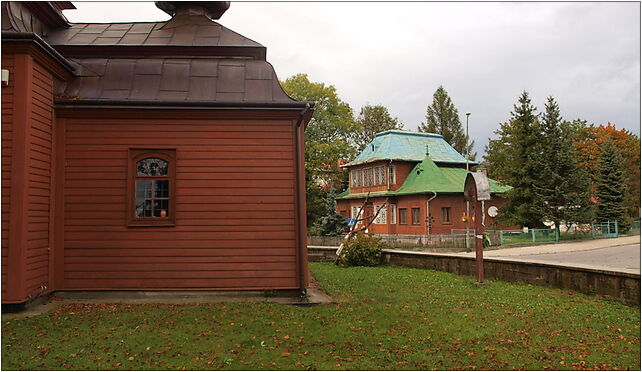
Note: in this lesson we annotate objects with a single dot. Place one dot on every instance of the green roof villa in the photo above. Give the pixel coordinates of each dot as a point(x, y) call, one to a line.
point(416, 181)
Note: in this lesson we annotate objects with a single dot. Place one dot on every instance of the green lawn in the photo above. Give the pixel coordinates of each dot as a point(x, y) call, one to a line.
point(387, 318)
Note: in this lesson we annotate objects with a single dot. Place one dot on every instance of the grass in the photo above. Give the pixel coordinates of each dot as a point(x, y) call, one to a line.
point(387, 318)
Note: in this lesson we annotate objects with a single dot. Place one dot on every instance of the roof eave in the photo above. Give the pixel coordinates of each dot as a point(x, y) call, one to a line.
point(105, 103)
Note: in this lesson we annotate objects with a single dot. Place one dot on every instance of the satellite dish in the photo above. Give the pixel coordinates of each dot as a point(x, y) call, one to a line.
point(492, 211)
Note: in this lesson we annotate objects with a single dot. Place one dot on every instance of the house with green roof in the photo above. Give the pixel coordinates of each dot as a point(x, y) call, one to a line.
point(416, 183)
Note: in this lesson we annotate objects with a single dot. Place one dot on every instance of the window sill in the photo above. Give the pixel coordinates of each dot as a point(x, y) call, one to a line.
point(151, 224)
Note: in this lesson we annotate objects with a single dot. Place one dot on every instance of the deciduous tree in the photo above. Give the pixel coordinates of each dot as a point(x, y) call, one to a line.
point(589, 144)
point(373, 119)
point(327, 139)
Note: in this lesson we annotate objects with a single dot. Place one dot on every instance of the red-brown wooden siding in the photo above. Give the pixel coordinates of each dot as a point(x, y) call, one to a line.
point(7, 131)
point(39, 181)
point(235, 206)
point(32, 116)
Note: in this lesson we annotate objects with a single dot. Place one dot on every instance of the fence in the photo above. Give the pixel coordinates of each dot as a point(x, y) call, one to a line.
point(635, 228)
point(460, 240)
point(440, 241)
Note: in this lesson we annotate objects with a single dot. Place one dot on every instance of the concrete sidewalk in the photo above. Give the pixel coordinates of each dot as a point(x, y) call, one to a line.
point(585, 245)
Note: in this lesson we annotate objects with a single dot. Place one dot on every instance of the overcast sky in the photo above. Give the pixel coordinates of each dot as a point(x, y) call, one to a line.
point(587, 55)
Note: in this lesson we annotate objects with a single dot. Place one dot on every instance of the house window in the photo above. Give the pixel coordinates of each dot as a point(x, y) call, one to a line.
point(359, 181)
point(151, 187)
point(403, 216)
point(393, 214)
point(355, 181)
point(356, 212)
point(381, 217)
point(445, 215)
point(367, 176)
point(391, 175)
point(380, 175)
point(416, 216)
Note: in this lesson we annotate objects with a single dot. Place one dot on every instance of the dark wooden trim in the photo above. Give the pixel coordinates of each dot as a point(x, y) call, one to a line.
point(140, 51)
point(16, 255)
point(54, 185)
point(134, 155)
point(302, 251)
point(56, 64)
point(59, 213)
point(210, 113)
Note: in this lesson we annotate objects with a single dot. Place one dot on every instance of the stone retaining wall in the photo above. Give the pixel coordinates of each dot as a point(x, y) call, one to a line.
point(621, 286)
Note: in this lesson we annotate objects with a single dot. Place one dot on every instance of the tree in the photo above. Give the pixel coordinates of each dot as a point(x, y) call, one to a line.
point(610, 186)
point(561, 188)
point(330, 223)
point(442, 118)
point(511, 159)
point(372, 120)
point(589, 144)
point(327, 139)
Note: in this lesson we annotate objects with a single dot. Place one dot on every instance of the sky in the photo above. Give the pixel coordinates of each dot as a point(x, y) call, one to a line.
point(586, 55)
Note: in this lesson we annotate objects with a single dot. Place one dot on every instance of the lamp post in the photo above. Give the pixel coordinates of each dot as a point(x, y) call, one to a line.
point(467, 151)
point(467, 170)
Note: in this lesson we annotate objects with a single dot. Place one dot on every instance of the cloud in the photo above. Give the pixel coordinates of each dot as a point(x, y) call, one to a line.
point(587, 55)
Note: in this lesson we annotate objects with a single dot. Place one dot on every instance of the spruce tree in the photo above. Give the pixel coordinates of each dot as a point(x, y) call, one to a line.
point(442, 118)
point(561, 186)
point(518, 165)
point(610, 185)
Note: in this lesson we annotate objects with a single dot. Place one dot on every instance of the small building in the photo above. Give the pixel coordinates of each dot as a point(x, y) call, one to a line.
point(416, 183)
point(146, 156)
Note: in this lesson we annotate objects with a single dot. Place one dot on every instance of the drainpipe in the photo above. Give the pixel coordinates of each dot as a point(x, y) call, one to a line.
point(300, 200)
point(388, 174)
point(428, 211)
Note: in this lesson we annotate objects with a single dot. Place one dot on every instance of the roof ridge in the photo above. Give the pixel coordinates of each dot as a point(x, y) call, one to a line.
point(408, 133)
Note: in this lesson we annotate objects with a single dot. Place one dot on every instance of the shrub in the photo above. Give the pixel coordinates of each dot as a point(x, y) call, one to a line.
point(362, 250)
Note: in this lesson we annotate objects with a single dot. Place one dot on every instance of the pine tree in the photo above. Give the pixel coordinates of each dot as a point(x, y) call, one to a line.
point(610, 186)
point(561, 187)
point(442, 118)
point(513, 157)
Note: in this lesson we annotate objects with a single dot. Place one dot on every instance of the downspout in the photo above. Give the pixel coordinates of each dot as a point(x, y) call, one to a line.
point(428, 211)
point(388, 173)
point(300, 199)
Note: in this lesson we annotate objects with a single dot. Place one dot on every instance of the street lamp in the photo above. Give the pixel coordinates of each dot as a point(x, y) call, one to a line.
point(467, 150)
point(467, 202)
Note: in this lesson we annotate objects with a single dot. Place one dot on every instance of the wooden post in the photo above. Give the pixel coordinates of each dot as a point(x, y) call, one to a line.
point(479, 239)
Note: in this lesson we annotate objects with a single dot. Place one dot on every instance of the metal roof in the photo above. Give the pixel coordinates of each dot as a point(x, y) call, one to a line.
point(174, 79)
point(427, 177)
point(182, 30)
point(408, 146)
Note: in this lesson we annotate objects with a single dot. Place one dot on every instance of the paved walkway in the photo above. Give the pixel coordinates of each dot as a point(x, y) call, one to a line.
point(585, 245)
point(618, 254)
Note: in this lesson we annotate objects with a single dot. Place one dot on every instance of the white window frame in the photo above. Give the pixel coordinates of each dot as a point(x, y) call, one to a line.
point(355, 212)
point(382, 216)
point(391, 175)
point(353, 178)
point(367, 176)
point(393, 214)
